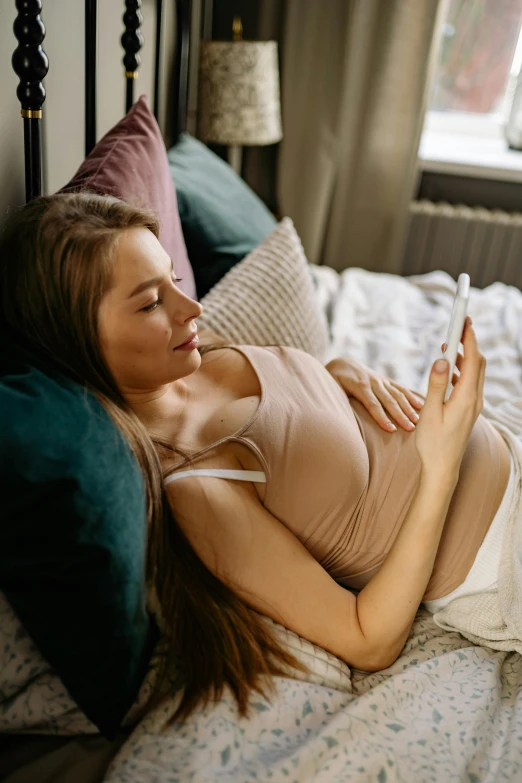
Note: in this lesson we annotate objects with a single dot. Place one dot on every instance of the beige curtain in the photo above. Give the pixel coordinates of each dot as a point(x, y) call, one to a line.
point(354, 86)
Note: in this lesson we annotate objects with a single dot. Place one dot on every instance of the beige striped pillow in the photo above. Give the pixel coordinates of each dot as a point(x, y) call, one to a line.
point(269, 298)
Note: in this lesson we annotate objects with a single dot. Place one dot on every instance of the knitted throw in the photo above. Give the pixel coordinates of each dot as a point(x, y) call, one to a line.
point(494, 619)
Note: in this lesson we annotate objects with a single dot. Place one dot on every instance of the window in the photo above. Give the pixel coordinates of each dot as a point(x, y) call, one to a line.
point(480, 58)
point(478, 54)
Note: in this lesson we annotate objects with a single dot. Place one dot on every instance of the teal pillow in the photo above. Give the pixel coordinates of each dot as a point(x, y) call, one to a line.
point(72, 538)
point(221, 216)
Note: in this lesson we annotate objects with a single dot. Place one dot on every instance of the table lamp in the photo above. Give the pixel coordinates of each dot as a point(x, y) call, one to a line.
point(239, 103)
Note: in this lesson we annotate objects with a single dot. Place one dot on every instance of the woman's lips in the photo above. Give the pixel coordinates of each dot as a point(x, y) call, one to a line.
point(190, 345)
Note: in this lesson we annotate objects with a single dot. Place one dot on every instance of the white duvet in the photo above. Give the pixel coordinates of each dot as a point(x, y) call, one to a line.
point(446, 710)
point(396, 325)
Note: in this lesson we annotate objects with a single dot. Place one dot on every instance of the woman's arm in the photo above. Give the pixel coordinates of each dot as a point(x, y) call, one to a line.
point(256, 555)
point(387, 605)
point(252, 551)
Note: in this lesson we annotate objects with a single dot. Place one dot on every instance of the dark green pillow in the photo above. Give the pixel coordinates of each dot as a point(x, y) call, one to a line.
point(72, 538)
point(221, 216)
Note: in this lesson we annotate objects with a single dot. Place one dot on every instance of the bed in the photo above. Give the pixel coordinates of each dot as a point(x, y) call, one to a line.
point(446, 710)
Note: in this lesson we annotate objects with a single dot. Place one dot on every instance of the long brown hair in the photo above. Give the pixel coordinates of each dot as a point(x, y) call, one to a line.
point(55, 266)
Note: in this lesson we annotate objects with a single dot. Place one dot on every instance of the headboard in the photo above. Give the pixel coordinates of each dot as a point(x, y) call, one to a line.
point(31, 64)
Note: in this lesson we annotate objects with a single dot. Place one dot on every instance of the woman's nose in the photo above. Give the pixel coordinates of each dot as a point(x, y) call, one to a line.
point(196, 311)
point(187, 309)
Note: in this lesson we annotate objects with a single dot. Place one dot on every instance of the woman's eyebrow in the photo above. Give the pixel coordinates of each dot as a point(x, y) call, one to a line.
point(149, 283)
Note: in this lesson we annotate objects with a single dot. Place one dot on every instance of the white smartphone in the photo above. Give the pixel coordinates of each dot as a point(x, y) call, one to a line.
point(456, 327)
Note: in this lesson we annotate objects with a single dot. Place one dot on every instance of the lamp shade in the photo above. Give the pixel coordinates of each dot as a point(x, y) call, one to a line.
point(239, 100)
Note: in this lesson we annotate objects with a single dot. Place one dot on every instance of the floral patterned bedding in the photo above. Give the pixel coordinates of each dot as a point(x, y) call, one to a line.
point(445, 711)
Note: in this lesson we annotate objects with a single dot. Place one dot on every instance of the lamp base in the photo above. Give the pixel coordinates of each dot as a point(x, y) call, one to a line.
point(235, 155)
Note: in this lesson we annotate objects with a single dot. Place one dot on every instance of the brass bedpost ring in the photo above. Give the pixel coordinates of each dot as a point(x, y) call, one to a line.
point(31, 114)
point(131, 74)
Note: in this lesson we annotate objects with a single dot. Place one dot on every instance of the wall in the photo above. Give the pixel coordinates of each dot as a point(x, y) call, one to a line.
point(224, 12)
point(63, 110)
point(473, 191)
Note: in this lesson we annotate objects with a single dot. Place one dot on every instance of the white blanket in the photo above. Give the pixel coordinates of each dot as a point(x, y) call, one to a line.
point(397, 324)
point(446, 710)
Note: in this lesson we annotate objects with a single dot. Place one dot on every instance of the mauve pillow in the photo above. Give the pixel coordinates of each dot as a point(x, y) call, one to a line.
point(130, 162)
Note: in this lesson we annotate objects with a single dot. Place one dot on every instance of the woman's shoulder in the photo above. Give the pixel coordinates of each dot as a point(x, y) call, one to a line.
point(229, 353)
point(226, 364)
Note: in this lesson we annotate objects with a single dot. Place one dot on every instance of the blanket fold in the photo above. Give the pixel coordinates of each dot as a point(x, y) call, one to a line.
point(494, 618)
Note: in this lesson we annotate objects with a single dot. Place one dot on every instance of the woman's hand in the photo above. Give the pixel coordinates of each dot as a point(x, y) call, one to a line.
point(379, 394)
point(444, 428)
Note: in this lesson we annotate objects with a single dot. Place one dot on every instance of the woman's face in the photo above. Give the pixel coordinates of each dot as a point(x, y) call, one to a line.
point(144, 317)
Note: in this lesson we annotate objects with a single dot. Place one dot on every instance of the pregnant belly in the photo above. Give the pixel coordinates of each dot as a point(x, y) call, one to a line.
point(487, 456)
point(483, 480)
point(504, 471)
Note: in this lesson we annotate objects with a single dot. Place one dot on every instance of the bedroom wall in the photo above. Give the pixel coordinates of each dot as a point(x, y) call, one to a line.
point(473, 191)
point(63, 110)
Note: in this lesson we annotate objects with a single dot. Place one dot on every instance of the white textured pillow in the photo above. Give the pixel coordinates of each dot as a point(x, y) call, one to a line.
point(269, 298)
point(324, 667)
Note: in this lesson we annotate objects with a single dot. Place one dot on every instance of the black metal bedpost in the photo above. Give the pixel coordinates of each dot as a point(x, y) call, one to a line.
point(91, 32)
point(181, 65)
point(157, 63)
point(132, 41)
point(30, 64)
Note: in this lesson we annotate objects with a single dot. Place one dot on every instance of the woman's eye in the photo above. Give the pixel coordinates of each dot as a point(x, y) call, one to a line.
point(152, 306)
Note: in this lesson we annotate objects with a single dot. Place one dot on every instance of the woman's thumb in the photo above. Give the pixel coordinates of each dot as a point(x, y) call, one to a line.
point(439, 377)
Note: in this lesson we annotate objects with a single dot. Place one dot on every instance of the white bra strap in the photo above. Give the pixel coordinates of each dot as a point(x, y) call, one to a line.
point(257, 476)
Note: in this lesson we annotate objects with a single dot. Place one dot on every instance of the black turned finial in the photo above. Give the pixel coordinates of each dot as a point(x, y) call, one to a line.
point(132, 41)
point(29, 60)
point(30, 64)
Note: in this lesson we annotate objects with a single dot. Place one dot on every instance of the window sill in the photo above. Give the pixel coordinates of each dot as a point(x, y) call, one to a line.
point(470, 156)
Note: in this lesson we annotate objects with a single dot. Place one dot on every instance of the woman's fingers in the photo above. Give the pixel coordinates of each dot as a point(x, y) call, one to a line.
point(376, 409)
point(470, 368)
point(413, 399)
point(458, 365)
point(472, 364)
point(405, 400)
point(391, 405)
point(472, 357)
point(458, 360)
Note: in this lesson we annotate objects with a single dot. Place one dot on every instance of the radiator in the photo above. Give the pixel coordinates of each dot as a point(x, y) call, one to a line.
point(487, 244)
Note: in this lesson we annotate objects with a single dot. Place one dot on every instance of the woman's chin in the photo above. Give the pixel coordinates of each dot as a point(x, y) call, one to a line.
point(187, 362)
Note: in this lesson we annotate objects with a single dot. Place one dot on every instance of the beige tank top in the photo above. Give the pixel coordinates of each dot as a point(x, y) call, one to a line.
point(342, 484)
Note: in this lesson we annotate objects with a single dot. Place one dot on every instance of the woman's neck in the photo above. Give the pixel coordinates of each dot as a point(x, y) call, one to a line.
point(159, 406)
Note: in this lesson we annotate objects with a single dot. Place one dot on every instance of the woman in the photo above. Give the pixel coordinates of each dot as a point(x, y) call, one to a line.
point(85, 280)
